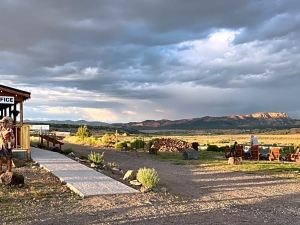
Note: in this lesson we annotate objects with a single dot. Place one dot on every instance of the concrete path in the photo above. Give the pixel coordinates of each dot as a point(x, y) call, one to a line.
point(79, 178)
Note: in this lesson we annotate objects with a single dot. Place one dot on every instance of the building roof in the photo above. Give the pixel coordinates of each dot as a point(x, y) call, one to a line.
point(23, 94)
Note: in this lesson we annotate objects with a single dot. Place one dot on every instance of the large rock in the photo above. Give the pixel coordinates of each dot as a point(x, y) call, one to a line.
point(11, 178)
point(130, 175)
point(190, 153)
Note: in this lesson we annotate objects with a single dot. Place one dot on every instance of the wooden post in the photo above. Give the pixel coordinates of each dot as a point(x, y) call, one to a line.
point(15, 117)
point(21, 113)
point(10, 112)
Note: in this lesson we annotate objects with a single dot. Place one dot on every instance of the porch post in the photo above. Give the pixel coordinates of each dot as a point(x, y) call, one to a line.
point(21, 113)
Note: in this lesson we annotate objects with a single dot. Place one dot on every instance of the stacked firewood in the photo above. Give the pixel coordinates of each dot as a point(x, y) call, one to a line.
point(170, 145)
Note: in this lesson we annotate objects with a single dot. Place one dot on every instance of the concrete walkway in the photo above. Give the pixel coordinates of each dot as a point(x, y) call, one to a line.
point(79, 178)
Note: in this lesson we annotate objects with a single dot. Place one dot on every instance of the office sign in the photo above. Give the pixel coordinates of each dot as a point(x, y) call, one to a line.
point(8, 100)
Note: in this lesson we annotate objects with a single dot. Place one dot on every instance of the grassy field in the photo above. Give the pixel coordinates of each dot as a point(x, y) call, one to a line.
point(221, 140)
point(217, 161)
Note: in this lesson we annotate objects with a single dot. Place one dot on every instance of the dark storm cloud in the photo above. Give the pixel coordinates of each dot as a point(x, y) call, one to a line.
point(150, 54)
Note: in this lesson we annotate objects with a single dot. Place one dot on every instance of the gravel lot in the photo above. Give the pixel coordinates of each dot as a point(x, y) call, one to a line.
point(198, 195)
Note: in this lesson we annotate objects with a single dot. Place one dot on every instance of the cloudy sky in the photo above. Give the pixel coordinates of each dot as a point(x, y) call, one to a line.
point(118, 61)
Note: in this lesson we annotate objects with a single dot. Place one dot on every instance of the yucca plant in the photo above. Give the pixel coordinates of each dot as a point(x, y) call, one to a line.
point(148, 177)
point(96, 158)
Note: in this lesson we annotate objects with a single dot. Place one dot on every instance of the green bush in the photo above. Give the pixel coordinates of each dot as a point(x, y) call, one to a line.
point(83, 132)
point(223, 148)
point(137, 144)
point(96, 158)
point(148, 177)
point(121, 145)
point(213, 148)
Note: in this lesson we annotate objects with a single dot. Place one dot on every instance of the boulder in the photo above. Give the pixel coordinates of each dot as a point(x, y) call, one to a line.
point(235, 160)
point(130, 175)
point(190, 153)
point(11, 178)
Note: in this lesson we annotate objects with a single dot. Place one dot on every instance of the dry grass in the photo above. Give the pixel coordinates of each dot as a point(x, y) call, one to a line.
point(221, 140)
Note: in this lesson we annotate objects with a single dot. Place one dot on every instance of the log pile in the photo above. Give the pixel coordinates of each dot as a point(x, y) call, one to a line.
point(170, 145)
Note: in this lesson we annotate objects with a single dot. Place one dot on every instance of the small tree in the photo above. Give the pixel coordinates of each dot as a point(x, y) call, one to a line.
point(83, 132)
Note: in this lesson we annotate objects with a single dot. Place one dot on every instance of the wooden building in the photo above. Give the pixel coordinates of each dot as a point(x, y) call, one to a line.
point(12, 105)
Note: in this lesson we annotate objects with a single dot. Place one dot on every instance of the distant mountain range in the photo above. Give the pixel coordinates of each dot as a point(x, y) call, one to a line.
point(275, 120)
point(251, 121)
point(70, 122)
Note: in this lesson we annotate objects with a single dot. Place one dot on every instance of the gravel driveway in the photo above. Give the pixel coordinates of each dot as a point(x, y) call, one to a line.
point(199, 195)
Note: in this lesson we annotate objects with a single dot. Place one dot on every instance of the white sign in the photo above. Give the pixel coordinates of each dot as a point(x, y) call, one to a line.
point(7, 100)
point(40, 127)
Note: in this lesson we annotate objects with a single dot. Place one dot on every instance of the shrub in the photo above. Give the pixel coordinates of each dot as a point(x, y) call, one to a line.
point(148, 177)
point(213, 148)
point(224, 148)
point(96, 158)
point(91, 141)
point(83, 132)
point(108, 139)
point(137, 144)
point(121, 145)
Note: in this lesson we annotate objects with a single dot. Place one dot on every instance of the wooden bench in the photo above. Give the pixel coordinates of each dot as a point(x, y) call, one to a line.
point(50, 139)
point(274, 154)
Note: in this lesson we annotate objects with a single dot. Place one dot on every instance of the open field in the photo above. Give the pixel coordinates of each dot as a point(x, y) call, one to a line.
point(220, 140)
point(266, 139)
point(216, 161)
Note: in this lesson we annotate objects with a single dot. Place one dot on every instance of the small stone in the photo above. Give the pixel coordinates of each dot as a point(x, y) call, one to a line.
point(93, 165)
point(71, 154)
point(115, 170)
point(144, 189)
point(130, 175)
point(135, 183)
